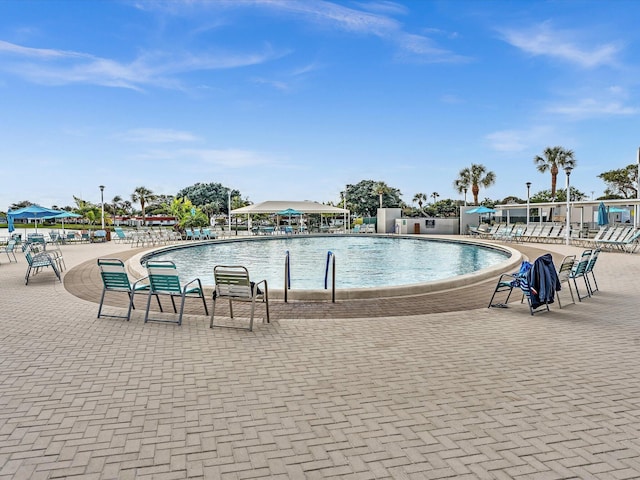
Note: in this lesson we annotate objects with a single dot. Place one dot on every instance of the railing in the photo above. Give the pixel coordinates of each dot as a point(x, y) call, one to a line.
point(331, 261)
point(287, 275)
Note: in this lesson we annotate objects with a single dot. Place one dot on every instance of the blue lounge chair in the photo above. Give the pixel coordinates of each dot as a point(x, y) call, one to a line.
point(164, 280)
point(115, 279)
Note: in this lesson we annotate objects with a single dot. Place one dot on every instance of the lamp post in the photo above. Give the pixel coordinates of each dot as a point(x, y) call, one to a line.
point(102, 204)
point(528, 197)
point(567, 170)
point(229, 208)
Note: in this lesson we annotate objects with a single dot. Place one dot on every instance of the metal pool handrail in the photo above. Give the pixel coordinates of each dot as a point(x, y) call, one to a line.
point(287, 275)
point(331, 258)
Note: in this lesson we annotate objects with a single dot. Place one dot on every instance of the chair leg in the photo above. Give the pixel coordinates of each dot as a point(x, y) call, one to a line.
point(181, 309)
point(204, 302)
point(213, 311)
point(146, 314)
point(253, 309)
point(230, 308)
point(104, 290)
point(131, 305)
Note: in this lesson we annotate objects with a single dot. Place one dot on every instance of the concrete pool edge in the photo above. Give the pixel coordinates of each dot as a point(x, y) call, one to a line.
point(511, 263)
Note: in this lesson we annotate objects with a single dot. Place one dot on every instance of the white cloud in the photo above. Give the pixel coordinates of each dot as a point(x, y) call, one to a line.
point(543, 40)
point(156, 135)
point(60, 67)
point(589, 107)
point(517, 140)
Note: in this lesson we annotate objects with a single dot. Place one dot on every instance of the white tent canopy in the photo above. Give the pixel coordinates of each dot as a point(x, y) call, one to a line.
point(275, 206)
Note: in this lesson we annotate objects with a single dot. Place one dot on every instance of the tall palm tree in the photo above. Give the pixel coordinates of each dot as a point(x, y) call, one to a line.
point(552, 159)
point(142, 195)
point(115, 205)
point(419, 198)
point(474, 177)
point(435, 196)
point(380, 188)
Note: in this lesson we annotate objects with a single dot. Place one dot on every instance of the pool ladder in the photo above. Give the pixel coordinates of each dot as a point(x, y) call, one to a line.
point(331, 264)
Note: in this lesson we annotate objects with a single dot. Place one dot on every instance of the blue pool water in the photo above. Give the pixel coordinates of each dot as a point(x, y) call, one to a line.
point(361, 261)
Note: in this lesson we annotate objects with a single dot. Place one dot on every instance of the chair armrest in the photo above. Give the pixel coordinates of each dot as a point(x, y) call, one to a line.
point(195, 280)
point(139, 285)
point(256, 290)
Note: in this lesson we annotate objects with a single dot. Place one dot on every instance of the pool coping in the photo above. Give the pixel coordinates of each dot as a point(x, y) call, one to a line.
point(135, 268)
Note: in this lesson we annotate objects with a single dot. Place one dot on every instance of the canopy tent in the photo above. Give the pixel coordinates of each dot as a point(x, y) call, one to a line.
point(32, 212)
point(273, 206)
point(62, 215)
point(300, 207)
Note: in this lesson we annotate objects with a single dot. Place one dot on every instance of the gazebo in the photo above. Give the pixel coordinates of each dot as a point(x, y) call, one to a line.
point(275, 206)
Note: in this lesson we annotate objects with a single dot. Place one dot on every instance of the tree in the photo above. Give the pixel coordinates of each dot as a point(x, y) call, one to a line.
point(381, 188)
point(187, 215)
point(474, 177)
point(419, 198)
point(561, 196)
point(435, 196)
point(554, 158)
point(116, 202)
point(22, 204)
point(363, 198)
point(142, 195)
point(621, 182)
point(202, 194)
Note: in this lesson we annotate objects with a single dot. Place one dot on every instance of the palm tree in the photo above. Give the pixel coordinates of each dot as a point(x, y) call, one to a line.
point(115, 202)
point(419, 198)
point(435, 196)
point(474, 177)
point(553, 158)
point(142, 195)
point(380, 188)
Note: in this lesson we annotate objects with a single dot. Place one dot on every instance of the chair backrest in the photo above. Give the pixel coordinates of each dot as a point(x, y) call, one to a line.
point(11, 245)
point(580, 266)
point(114, 276)
point(232, 281)
point(565, 267)
point(592, 260)
point(163, 277)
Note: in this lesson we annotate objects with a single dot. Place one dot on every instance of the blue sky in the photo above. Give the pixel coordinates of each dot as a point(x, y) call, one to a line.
point(292, 100)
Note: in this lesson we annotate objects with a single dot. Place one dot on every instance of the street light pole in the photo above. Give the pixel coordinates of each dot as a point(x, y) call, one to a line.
point(102, 204)
point(229, 208)
point(528, 196)
point(567, 170)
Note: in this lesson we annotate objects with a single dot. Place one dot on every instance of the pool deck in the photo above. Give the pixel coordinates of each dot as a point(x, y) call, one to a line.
point(427, 386)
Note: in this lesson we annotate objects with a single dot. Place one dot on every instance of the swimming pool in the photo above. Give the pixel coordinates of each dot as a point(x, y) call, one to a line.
point(360, 261)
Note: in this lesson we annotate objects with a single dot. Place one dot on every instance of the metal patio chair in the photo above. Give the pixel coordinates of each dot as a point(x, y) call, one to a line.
point(233, 283)
point(115, 279)
point(164, 280)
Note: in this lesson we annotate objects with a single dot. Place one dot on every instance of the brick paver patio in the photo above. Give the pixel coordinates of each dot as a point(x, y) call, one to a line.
point(358, 392)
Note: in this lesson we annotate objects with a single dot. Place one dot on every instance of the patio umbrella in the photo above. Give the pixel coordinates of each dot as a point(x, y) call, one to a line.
point(481, 210)
point(64, 214)
point(289, 212)
point(603, 214)
point(32, 212)
point(10, 224)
